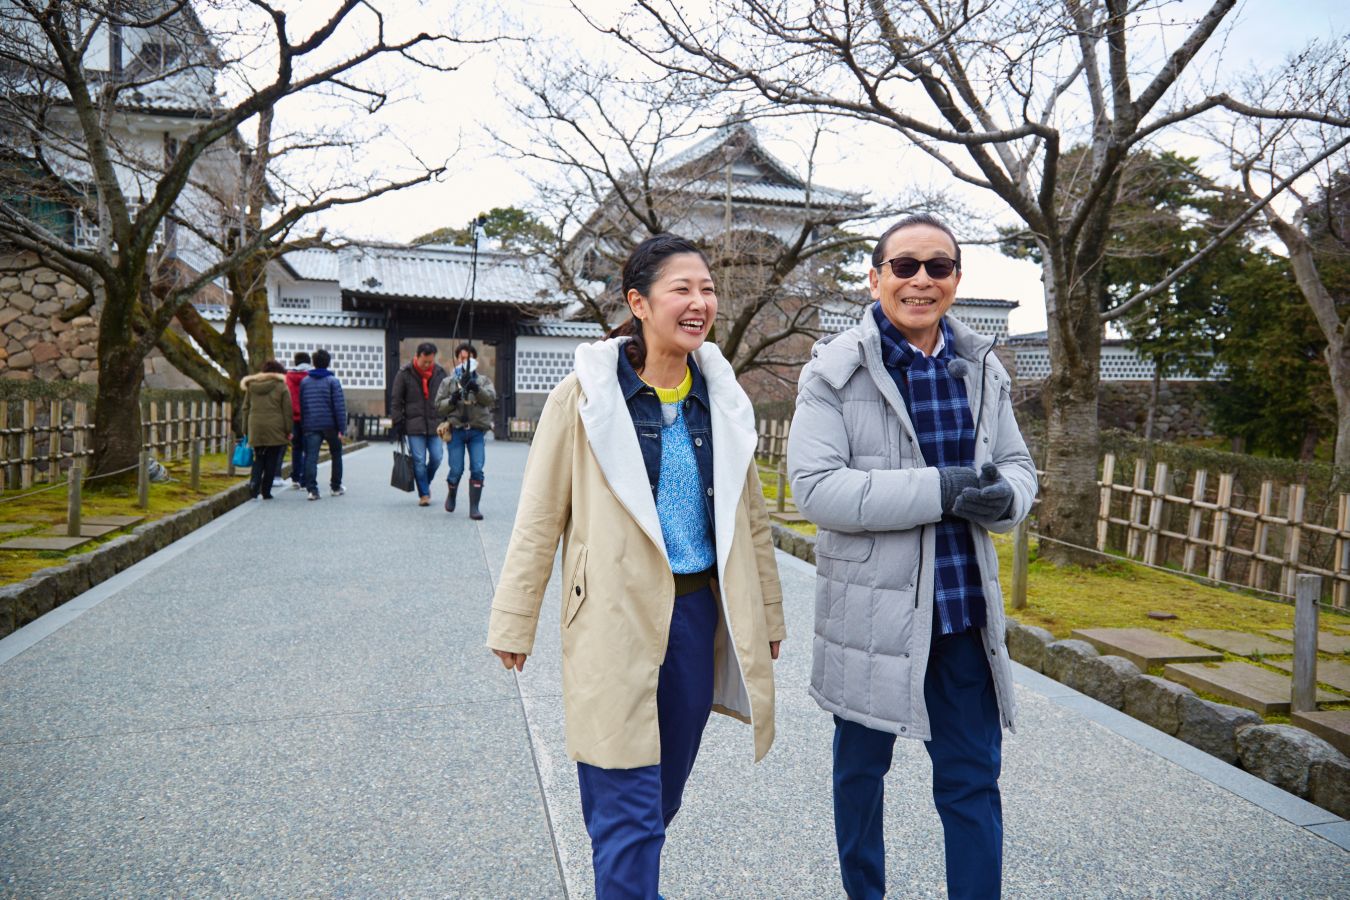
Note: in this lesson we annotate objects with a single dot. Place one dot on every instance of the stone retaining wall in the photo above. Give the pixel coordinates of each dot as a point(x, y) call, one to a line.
point(1286, 756)
point(34, 342)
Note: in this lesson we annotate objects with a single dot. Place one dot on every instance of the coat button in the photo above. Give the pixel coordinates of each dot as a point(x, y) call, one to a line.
point(578, 590)
point(709, 492)
point(986, 438)
point(903, 728)
point(698, 442)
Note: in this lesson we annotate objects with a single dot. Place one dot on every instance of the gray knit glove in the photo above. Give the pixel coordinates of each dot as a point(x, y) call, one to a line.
point(954, 480)
point(990, 500)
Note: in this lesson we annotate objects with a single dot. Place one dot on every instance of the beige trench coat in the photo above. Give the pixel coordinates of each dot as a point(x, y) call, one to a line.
point(585, 483)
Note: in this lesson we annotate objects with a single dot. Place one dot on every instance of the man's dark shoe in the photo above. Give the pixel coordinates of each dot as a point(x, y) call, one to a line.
point(452, 489)
point(475, 494)
point(314, 495)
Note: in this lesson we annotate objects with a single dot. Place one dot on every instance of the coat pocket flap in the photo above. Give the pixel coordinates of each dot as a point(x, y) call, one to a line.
point(849, 547)
point(576, 590)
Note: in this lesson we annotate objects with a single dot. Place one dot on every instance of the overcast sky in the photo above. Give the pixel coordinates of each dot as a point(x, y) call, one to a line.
point(463, 113)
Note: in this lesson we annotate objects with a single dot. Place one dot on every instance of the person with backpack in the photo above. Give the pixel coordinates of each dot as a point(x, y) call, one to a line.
point(323, 417)
point(413, 410)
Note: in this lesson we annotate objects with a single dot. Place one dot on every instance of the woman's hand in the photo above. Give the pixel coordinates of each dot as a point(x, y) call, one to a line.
point(773, 648)
point(517, 660)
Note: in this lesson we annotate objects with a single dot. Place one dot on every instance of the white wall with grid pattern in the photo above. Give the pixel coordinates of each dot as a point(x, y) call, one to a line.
point(358, 353)
point(1118, 364)
point(542, 362)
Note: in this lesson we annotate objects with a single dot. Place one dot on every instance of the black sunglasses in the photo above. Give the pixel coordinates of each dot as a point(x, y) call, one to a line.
point(938, 267)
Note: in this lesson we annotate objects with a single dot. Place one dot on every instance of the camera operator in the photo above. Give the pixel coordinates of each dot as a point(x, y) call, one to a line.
point(465, 400)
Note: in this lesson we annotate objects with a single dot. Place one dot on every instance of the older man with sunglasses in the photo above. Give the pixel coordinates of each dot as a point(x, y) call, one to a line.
point(905, 453)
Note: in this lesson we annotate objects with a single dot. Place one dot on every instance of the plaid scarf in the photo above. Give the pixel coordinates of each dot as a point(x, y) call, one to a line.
point(938, 407)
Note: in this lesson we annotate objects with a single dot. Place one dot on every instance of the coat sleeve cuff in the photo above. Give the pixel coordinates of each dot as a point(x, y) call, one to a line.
point(511, 632)
point(773, 616)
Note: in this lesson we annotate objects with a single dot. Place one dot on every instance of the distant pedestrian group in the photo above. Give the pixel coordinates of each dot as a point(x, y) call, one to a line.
point(430, 408)
point(303, 407)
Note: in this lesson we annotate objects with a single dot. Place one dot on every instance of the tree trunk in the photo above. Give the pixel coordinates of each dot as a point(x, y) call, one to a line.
point(1338, 363)
point(1069, 491)
point(117, 409)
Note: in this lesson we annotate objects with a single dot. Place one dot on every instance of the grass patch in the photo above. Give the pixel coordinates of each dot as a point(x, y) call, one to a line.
point(109, 498)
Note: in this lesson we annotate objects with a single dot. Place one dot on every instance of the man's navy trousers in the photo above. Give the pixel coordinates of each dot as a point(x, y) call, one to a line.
point(966, 750)
point(627, 810)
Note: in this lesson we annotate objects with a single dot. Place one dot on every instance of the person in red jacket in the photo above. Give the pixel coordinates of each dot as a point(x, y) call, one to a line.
point(296, 374)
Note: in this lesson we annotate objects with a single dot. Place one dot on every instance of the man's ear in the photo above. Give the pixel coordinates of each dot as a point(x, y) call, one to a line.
point(874, 283)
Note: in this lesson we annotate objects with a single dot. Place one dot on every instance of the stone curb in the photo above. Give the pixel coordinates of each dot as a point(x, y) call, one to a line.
point(1284, 755)
point(25, 601)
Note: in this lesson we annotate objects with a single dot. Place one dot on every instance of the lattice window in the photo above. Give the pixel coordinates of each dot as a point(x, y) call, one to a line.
point(294, 303)
point(355, 365)
point(539, 371)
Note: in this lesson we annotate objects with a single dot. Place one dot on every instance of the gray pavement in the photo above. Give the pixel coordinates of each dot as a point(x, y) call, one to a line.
point(296, 702)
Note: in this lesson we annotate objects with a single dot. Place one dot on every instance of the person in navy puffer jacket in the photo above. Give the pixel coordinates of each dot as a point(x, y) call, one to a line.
point(323, 417)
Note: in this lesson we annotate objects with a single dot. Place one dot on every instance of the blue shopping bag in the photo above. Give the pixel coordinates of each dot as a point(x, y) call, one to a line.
point(243, 455)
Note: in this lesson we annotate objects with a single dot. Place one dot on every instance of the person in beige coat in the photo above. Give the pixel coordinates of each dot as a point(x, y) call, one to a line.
point(267, 416)
point(643, 464)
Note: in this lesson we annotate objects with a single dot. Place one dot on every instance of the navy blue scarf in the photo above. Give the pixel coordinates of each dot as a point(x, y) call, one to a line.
point(940, 410)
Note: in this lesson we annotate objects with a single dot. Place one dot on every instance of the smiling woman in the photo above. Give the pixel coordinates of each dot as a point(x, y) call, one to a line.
point(672, 607)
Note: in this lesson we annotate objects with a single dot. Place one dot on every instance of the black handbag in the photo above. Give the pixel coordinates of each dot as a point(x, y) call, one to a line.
point(402, 476)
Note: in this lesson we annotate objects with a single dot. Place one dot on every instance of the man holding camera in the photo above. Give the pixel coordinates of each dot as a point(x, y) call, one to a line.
point(413, 409)
point(465, 400)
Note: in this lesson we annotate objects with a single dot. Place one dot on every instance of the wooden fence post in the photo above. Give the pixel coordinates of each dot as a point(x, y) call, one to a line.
point(1136, 509)
point(81, 426)
point(4, 445)
point(1155, 512)
point(74, 483)
point(782, 484)
point(196, 476)
point(1021, 562)
point(1218, 559)
point(143, 480)
point(1340, 591)
point(1293, 538)
point(54, 440)
point(26, 442)
point(1194, 521)
point(1304, 691)
point(1104, 511)
point(1257, 570)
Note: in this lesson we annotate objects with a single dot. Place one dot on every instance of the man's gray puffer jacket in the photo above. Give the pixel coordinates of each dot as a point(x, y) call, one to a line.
point(858, 473)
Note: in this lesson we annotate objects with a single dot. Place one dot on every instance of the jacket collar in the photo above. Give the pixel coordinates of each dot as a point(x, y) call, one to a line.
point(614, 441)
point(630, 382)
point(259, 377)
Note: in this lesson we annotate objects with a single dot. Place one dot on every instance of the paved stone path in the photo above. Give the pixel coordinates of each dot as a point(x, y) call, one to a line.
point(295, 701)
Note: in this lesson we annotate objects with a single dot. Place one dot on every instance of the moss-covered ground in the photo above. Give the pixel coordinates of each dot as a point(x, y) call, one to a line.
point(112, 497)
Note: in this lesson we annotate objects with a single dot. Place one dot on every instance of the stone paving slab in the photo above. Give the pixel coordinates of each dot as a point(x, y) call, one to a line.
point(15, 527)
point(1331, 725)
point(1327, 641)
point(1239, 643)
point(1144, 647)
point(87, 529)
point(1329, 671)
point(1244, 684)
point(119, 521)
point(47, 542)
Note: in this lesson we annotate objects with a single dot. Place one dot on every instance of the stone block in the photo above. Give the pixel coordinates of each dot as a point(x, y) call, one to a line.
point(37, 323)
point(22, 302)
point(1063, 660)
point(84, 351)
point(1213, 727)
point(1104, 678)
point(1027, 643)
point(9, 283)
point(121, 552)
point(18, 330)
point(1242, 683)
point(46, 352)
point(9, 314)
point(1144, 647)
point(1329, 785)
point(71, 580)
point(65, 290)
point(1283, 755)
point(1327, 641)
point(46, 276)
point(82, 321)
point(68, 367)
point(49, 308)
point(42, 292)
point(1156, 701)
point(21, 360)
point(1331, 725)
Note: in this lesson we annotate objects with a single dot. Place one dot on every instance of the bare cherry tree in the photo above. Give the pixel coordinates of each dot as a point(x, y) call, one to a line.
point(625, 158)
point(1314, 227)
point(995, 92)
point(120, 129)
